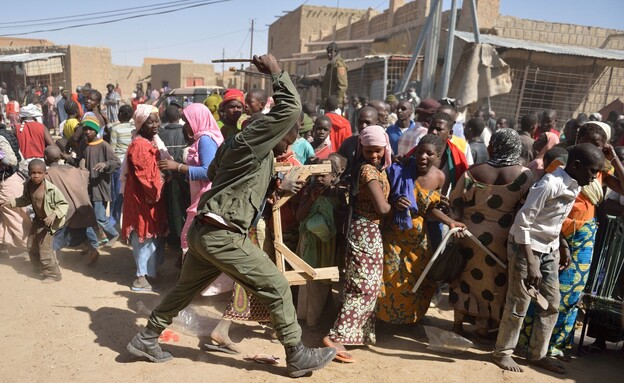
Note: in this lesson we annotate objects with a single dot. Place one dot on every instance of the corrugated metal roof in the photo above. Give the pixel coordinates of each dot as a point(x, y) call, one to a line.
point(571, 50)
point(26, 57)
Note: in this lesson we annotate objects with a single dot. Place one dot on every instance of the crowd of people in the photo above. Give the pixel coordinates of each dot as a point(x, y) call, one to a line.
point(199, 179)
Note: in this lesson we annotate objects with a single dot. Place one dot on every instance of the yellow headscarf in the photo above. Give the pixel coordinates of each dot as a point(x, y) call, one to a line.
point(212, 102)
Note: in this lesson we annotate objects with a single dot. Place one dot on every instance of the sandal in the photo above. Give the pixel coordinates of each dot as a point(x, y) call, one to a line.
point(342, 354)
point(229, 348)
point(535, 295)
point(262, 358)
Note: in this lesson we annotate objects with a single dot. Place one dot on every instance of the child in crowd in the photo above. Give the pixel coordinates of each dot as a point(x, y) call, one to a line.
point(101, 162)
point(356, 320)
point(80, 223)
point(317, 238)
point(558, 153)
point(68, 126)
point(473, 132)
point(50, 209)
point(543, 144)
point(534, 257)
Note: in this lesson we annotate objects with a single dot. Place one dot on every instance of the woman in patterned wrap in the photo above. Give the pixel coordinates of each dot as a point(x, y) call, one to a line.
point(364, 261)
point(486, 199)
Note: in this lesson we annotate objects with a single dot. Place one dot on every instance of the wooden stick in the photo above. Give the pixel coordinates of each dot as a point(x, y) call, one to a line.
point(233, 61)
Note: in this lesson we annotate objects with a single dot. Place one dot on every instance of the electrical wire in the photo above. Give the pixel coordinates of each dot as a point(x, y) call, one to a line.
point(116, 20)
point(243, 44)
point(22, 23)
point(100, 15)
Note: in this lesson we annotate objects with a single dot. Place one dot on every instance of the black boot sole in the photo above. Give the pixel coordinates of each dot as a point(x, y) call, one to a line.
point(136, 352)
point(300, 373)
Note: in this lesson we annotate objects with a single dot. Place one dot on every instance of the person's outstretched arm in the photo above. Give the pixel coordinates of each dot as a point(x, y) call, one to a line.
point(262, 135)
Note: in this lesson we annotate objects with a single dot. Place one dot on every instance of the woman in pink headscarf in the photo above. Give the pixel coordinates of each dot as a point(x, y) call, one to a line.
point(202, 130)
point(544, 143)
point(364, 261)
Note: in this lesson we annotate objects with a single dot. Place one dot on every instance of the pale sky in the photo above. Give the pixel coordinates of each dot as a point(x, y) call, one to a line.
point(202, 33)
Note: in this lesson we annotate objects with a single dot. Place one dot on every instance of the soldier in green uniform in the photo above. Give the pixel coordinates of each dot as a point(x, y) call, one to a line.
point(335, 79)
point(218, 241)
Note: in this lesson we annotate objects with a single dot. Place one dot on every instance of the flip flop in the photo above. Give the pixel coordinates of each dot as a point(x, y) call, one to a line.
point(341, 355)
point(221, 348)
point(535, 296)
point(262, 358)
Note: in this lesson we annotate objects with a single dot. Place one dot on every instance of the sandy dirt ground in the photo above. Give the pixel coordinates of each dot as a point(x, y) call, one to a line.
point(77, 330)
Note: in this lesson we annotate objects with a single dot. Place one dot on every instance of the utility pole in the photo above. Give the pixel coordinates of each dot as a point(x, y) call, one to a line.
point(223, 68)
point(251, 44)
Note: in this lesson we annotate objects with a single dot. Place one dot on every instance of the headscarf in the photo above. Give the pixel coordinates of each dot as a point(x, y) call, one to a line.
point(30, 111)
point(142, 113)
point(506, 148)
point(375, 135)
point(212, 102)
point(391, 98)
point(234, 95)
point(202, 123)
point(74, 98)
point(604, 126)
point(596, 115)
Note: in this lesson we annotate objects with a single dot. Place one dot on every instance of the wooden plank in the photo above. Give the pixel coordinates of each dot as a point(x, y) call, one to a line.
point(277, 233)
point(300, 173)
point(292, 258)
point(324, 273)
point(302, 271)
point(283, 167)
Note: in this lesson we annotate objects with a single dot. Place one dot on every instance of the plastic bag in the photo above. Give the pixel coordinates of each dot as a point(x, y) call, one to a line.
point(192, 322)
point(446, 341)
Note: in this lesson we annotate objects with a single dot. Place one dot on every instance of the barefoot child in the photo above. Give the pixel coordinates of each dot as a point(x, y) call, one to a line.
point(50, 209)
point(534, 256)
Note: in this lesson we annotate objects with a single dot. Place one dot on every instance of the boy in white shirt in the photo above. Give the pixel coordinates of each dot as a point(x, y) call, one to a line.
point(534, 247)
